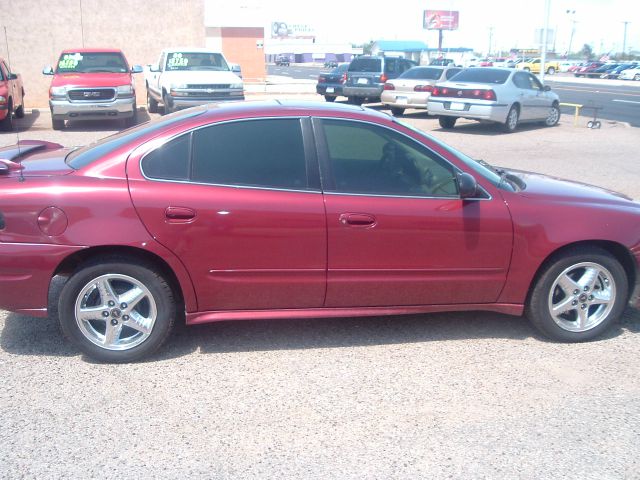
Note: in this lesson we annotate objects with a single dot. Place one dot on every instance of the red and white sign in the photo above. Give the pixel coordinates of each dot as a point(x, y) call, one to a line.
point(441, 19)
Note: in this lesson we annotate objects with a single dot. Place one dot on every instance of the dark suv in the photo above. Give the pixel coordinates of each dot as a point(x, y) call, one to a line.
point(367, 74)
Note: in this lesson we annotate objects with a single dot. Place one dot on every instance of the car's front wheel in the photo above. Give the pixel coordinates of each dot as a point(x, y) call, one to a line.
point(152, 104)
point(117, 311)
point(553, 117)
point(579, 295)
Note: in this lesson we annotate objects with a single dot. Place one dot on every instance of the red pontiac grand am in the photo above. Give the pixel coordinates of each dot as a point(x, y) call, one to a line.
point(274, 210)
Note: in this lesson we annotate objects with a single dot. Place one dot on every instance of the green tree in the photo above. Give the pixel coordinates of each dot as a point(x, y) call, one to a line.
point(587, 51)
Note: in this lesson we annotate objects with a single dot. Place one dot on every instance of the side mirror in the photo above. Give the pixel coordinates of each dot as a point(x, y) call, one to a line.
point(235, 68)
point(467, 185)
point(546, 88)
point(47, 70)
point(136, 69)
point(154, 68)
point(13, 76)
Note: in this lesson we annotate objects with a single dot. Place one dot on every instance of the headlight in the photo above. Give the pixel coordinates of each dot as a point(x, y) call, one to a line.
point(178, 85)
point(124, 90)
point(57, 92)
point(235, 85)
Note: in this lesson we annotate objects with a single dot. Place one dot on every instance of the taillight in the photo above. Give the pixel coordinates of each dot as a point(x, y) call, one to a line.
point(477, 93)
point(321, 79)
point(344, 78)
point(423, 88)
point(389, 86)
point(489, 95)
point(383, 78)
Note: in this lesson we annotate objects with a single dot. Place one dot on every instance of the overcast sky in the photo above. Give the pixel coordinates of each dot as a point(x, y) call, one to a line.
point(599, 22)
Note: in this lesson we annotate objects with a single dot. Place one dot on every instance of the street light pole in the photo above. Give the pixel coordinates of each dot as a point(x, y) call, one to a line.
point(624, 41)
point(573, 30)
point(545, 39)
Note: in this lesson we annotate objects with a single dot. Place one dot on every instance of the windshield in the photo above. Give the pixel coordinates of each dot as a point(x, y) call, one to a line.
point(482, 75)
point(479, 166)
point(196, 61)
point(366, 65)
point(422, 73)
point(92, 62)
point(88, 154)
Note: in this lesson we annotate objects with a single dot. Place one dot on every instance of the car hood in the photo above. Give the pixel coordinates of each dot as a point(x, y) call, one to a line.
point(91, 79)
point(538, 186)
point(200, 77)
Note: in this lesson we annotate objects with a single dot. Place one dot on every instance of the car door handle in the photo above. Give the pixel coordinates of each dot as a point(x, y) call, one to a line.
point(180, 213)
point(357, 219)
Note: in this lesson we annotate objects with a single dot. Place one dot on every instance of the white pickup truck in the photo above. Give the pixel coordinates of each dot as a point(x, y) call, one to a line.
point(185, 77)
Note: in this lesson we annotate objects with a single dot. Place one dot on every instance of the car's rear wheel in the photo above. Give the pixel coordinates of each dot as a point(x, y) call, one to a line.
point(7, 123)
point(330, 98)
point(551, 71)
point(511, 123)
point(397, 111)
point(116, 311)
point(553, 117)
point(579, 295)
point(152, 104)
point(526, 69)
point(636, 76)
point(447, 122)
point(20, 109)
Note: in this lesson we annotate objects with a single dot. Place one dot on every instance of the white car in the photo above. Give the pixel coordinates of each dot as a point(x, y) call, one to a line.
point(185, 77)
point(630, 74)
point(499, 95)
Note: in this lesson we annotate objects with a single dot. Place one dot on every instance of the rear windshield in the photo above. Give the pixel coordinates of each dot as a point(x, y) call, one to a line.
point(90, 153)
point(196, 61)
point(366, 65)
point(92, 62)
point(482, 75)
point(422, 73)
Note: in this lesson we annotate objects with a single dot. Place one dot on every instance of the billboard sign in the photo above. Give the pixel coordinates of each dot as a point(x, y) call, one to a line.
point(291, 30)
point(441, 19)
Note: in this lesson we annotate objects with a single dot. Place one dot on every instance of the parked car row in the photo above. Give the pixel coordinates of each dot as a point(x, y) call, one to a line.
point(11, 96)
point(611, 70)
point(504, 96)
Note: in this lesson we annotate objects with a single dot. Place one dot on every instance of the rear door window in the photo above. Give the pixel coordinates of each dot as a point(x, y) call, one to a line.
point(372, 65)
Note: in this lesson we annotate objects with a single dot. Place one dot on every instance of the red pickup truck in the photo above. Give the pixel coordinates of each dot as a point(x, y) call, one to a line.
point(92, 84)
point(11, 96)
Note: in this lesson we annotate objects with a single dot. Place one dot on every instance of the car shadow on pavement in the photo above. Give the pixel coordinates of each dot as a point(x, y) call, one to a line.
point(487, 128)
point(104, 125)
point(23, 335)
point(27, 122)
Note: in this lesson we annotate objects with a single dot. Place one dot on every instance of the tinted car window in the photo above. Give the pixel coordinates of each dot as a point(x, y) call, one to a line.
point(391, 65)
point(340, 68)
point(422, 73)
point(92, 62)
point(451, 72)
point(368, 159)
point(521, 80)
point(170, 161)
point(482, 75)
point(365, 65)
point(262, 153)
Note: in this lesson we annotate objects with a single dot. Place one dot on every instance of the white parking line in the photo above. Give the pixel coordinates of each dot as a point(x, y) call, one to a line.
point(625, 101)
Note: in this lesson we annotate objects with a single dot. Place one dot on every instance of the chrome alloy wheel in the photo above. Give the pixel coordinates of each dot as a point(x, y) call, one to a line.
point(512, 119)
point(115, 312)
point(582, 297)
point(553, 117)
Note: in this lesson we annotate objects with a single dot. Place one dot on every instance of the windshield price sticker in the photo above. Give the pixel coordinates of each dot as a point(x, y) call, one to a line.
point(177, 60)
point(70, 60)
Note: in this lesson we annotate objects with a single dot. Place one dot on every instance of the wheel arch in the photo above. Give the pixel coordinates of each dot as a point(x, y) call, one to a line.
point(77, 259)
point(617, 250)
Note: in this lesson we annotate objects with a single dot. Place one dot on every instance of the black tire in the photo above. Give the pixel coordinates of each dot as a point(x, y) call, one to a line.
point(356, 100)
point(554, 116)
point(7, 123)
point(397, 111)
point(538, 309)
point(636, 77)
point(57, 124)
point(152, 104)
point(511, 123)
point(168, 104)
point(20, 109)
point(447, 122)
point(158, 288)
point(329, 98)
point(132, 120)
point(551, 71)
point(526, 69)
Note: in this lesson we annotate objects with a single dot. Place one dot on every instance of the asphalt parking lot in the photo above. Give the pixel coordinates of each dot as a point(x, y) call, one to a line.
point(464, 395)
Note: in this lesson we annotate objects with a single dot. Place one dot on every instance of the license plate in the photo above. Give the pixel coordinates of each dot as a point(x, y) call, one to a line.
point(363, 81)
point(456, 106)
point(401, 100)
point(330, 90)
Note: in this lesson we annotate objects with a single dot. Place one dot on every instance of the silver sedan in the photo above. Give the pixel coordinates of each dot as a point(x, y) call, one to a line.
point(498, 95)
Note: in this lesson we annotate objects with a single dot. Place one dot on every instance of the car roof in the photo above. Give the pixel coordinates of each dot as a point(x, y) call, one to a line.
point(266, 108)
point(92, 50)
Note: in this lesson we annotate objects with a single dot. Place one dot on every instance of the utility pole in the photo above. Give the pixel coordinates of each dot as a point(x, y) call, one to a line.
point(545, 39)
point(624, 41)
point(490, 40)
point(573, 29)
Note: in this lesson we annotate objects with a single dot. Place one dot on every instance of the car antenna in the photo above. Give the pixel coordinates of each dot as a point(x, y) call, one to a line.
point(6, 41)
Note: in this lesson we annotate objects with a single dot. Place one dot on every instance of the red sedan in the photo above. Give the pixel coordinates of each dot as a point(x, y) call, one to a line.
point(277, 210)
